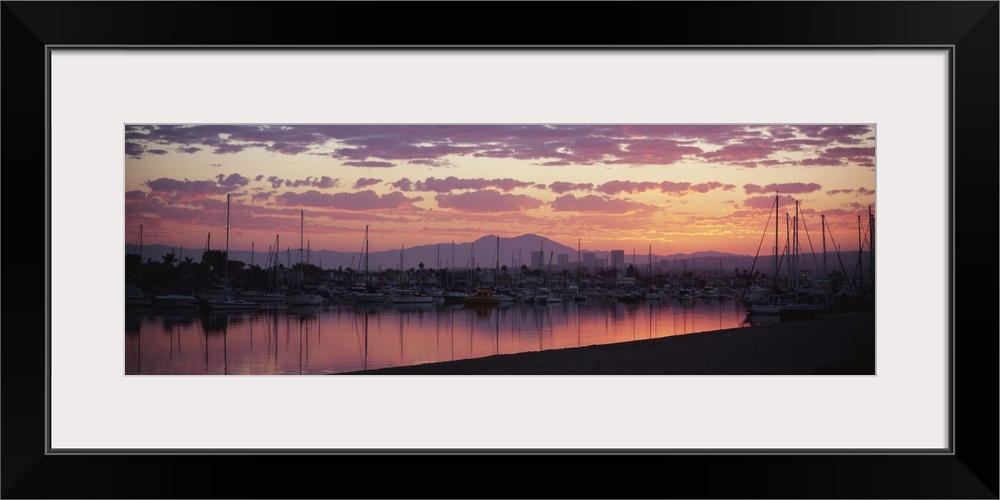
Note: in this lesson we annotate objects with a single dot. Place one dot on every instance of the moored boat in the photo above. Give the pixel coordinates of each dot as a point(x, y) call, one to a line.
point(176, 299)
point(229, 302)
point(410, 297)
point(483, 297)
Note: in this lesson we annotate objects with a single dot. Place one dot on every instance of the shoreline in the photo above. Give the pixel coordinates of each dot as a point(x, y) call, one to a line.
point(835, 344)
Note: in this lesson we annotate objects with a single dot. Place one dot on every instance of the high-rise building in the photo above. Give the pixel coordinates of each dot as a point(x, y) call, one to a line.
point(536, 260)
point(562, 259)
point(617, 260)
point(588, 259)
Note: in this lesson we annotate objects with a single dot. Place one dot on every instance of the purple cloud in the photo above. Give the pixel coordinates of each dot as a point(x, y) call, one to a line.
point(788, 187)
point(362, 200)
point(383, 146)
point(189, 149)
point(560, 187)
point(594, 203)
point(821, 162)
point(403, 184)
point(365, 182)
point(745, 152)
point(767, 202)
point(228, 148)
point(261, 197)
point(452, 183)
point(372, 164)
point(711, 186)
point(286, 148)
point(233, 180)
point(134, 150)
point(487, 201)
point(322, 182)
point(615, 187)
point(846, 134)
point(188, 190)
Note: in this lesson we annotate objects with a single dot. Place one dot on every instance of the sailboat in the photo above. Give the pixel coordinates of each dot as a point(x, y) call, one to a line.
point(301, 297)
point(229, 302)
point(501, 292)
point(484, 295)
point(134, 296)
point(652, 293)
point(364, 292)
point(574, 289)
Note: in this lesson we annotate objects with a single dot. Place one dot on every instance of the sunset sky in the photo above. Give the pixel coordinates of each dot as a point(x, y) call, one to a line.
point(677, 188)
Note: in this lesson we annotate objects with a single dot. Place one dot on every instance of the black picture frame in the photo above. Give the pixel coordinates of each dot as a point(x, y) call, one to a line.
point(969, 28)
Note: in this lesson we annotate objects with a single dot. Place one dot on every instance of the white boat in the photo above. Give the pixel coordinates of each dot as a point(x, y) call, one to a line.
point(364, 293)
point(545, 296)
point(229, 302)
point(232, 304)
point(410, 297)
point(264, 297)
point(135, 297)
point(176, 299)
point(304, 299)
point(755, 294)
point(301, 297)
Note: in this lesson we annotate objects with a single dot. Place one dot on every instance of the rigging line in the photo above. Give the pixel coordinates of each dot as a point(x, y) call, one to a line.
point(841, 261)
point(812, 250)
point(781, 258)
point(760, 245)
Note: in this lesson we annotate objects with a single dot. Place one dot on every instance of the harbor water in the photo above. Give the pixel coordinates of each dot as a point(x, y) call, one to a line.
point(342, 338)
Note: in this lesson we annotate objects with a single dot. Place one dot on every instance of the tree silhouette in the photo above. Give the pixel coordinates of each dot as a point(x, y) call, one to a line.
point(169, 259)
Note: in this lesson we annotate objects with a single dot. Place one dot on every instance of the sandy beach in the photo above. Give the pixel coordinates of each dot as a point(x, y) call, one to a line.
point(841, 343)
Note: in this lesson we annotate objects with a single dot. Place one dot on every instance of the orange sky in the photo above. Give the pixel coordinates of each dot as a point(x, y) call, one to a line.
point(677, 188)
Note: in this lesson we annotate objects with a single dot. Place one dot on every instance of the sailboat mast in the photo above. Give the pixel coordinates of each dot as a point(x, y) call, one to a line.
point(871, 248)
point(650, 271)
point(795, 247)
point(776, 216)
point(826, 274)
point(367, 279)
point(861, 280)
point(302, 233)
point(579, 264)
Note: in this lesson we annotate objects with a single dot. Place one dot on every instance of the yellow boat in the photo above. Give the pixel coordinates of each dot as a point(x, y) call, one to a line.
point(482, 297)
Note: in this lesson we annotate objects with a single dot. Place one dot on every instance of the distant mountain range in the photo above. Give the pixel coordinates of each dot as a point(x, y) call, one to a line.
point(514, 252)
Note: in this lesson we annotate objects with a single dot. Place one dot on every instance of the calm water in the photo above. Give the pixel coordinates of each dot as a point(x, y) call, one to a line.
point(344, 338)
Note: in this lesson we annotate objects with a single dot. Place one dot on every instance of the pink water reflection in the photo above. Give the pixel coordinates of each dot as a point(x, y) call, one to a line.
point(347, 338)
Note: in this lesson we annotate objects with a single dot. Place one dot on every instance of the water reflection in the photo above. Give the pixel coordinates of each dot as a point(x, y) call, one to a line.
point(354, 337)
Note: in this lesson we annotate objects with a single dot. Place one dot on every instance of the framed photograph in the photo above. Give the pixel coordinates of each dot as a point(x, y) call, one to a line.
point(165, 152)
point(488, 284)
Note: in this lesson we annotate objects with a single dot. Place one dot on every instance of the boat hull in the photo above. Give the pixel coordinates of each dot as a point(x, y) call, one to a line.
point(305, 300)
point(232, 305)
point(765, 309)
